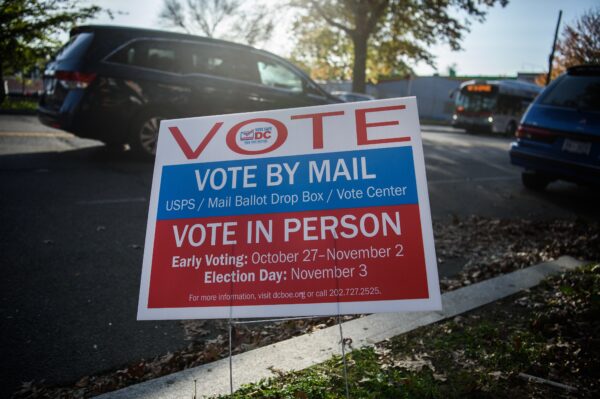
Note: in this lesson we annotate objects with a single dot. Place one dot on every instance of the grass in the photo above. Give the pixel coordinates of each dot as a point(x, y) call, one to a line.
point(549, 332)
point(19, 104)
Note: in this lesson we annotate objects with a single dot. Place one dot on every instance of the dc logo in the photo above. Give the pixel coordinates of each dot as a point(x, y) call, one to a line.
point(257, 135)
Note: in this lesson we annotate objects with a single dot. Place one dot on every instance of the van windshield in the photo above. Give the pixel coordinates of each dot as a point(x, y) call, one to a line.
point(76, 46)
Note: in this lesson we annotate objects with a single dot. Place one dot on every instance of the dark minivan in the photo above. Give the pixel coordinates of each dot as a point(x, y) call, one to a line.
point(115, 84)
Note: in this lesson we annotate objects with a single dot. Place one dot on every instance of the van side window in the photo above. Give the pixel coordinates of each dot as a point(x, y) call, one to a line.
point(210, 64)
point(159, 58)
point(213, 65)
point(220, 61)
point(159, 55)
point(276, 75)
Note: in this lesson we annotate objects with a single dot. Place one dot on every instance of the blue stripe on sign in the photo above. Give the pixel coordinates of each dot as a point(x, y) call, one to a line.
point(352, 179)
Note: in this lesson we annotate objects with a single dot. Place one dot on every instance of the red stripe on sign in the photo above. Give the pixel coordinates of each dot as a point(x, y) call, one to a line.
point(347, 255)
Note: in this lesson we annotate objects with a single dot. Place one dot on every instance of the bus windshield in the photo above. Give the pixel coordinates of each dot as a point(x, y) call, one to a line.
point(476, 102)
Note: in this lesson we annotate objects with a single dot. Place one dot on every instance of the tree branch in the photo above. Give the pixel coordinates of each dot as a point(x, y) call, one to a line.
point(330, 20)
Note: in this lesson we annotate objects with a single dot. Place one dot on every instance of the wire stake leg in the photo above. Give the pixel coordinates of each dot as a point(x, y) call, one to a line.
point(230, 357)
point(343, 343)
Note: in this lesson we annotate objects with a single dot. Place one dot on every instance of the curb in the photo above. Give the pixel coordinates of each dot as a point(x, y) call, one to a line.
point(310, 349)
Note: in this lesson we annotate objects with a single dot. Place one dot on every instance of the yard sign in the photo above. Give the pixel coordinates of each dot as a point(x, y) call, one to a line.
point(307, 211)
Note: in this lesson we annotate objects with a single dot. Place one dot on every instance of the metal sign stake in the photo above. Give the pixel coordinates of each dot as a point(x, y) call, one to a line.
point(230, 357)
point(344, 356)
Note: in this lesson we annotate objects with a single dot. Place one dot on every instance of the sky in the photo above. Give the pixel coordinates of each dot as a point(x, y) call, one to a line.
point(516, 38)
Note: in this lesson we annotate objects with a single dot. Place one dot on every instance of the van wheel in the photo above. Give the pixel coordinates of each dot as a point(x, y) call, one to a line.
point(144, 136)
point(511, 129)
point(535, 181)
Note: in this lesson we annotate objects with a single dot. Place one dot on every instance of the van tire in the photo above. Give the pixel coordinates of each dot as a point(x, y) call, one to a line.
point(144, 136)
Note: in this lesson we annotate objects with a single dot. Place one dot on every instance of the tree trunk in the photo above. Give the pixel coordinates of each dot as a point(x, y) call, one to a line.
point(360, 62)
point(366, 15)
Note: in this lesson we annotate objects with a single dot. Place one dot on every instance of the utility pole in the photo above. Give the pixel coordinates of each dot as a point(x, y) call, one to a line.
point(551, 58)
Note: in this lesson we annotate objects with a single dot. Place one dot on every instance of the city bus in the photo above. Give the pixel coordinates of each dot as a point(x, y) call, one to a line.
point(494, 106)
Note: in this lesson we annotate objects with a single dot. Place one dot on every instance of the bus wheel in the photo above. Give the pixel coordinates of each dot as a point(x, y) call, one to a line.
point(511, 129)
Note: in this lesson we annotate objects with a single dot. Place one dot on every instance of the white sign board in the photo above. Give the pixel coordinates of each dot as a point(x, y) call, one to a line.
point(306, 211)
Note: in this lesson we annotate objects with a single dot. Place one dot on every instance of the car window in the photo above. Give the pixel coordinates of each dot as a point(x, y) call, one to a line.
point(219, 61)
point(159, 58)
point(159, 55)
point(76, 46)
point(276, 75)
point(581, 92)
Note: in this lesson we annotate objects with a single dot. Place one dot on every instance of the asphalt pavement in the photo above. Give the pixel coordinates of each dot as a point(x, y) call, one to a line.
point(73, 225)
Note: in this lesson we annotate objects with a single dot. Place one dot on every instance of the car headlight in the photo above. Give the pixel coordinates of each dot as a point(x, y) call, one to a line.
point(490, 119)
